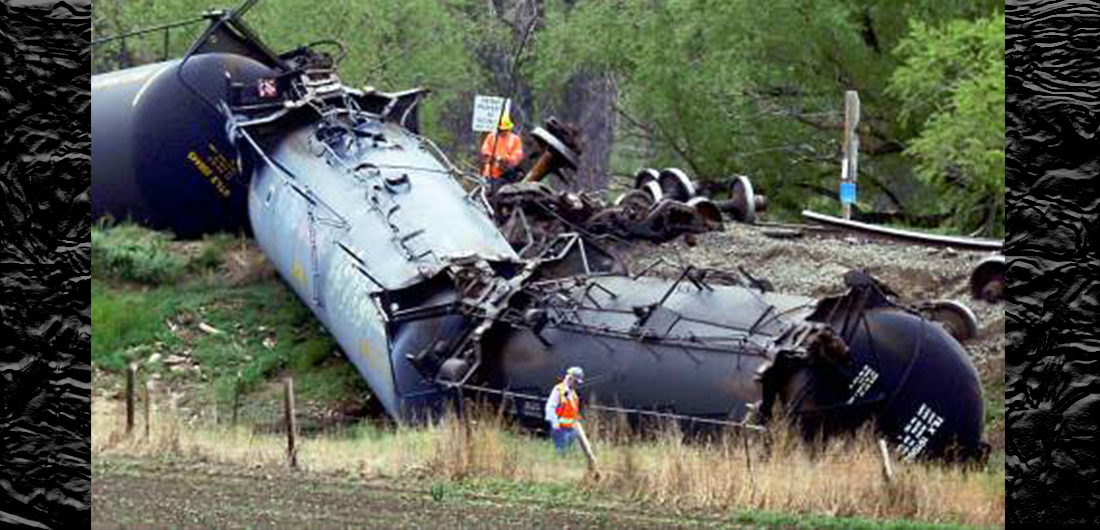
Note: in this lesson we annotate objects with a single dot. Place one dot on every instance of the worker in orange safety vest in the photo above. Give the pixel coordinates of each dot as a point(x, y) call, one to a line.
point(501, 153)
point(563, 409)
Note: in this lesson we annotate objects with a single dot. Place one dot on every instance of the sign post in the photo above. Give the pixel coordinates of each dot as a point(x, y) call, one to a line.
point(487, 112)
point(850, 168)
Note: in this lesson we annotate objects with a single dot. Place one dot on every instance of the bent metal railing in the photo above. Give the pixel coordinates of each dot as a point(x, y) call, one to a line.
point(122, 56)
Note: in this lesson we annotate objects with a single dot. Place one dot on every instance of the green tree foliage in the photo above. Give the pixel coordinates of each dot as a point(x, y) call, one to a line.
point(392, 44)
point(741, 86)
point(675, 71)
point(954, 78)
point(717, 87)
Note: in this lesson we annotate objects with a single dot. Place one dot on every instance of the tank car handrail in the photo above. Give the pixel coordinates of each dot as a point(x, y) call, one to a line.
point(669, 342)
point(143, 31)
point(750, 331)
point(290, 179)
point(685, 318)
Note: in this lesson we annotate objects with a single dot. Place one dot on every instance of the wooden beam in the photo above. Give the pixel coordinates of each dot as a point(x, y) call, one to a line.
point(587, 447)
point(291, 425)
point(887, 465)
point(131, 375)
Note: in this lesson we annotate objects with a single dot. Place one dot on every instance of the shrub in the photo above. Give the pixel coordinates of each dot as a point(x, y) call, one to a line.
point(133, 254)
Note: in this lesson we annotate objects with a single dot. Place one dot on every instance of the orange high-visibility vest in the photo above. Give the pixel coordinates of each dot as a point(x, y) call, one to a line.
point(509, 153)
point(568, 406)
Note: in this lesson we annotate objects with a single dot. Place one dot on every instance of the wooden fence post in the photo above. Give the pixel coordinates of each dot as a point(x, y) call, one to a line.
point(236, 399)
point(149, 391)
point(748, 464)
point(131, 371)
point(748, 457)
point(291, 425)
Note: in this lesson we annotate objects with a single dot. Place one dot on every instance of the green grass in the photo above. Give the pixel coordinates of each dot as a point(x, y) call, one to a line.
point(765, 519)
point(994, 402)
point(122, 319)
point(551, 495)
point(144, 280)
point(546, 494)
point(997, 465)
point(993, 387)
point(330, 381)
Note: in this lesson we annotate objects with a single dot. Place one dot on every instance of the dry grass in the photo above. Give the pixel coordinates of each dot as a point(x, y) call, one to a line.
point(243, 264)
point(842, 478)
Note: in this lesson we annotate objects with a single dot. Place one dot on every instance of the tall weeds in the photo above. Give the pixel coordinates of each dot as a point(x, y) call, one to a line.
point(731, 471)
point(475, 444)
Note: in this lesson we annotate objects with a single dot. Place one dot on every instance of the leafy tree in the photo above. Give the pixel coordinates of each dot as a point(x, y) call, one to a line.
point(392, 45)
point(741, 86)
point(954, 78)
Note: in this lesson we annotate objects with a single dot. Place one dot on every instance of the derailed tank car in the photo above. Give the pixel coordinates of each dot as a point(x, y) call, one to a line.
point(368, 223)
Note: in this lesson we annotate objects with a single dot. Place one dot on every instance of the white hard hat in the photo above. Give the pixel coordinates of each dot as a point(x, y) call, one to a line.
point(577, 373)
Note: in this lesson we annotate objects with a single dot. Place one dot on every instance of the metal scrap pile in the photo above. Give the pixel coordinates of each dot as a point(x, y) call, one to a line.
point(662, 206)
point(530, 212)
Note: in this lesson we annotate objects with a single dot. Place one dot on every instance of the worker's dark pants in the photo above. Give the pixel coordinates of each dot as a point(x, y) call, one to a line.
point(563, 439)
point(510, 176)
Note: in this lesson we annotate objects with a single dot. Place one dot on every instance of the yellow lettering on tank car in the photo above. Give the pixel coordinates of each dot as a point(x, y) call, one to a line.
point(299, 274)
point(204, 168)
point(199, 164)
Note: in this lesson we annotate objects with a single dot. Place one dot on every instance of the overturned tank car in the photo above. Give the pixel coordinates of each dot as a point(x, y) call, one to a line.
point(372, 227)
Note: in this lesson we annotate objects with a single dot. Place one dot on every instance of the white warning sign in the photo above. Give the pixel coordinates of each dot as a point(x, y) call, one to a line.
point(487, 112)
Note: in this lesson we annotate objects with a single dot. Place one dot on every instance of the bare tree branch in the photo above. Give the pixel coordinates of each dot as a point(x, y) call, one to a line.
point(659, 132)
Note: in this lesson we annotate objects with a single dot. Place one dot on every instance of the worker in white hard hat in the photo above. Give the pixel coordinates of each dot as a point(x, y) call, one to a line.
point(563, 409)
point(501, 152)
